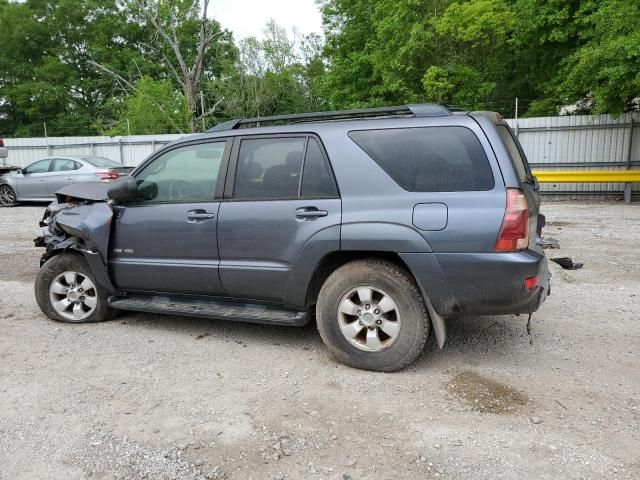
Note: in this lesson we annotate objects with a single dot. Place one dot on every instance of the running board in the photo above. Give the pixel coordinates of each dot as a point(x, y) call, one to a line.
point(219, 310)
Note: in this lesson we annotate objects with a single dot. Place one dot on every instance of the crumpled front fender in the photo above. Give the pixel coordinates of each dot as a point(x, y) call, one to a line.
point(84, 228)
point(89, 222)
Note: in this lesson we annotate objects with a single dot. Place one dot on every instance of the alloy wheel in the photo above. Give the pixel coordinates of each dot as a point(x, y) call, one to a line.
point(369, 318)
point(7, 197)
point(73, 295)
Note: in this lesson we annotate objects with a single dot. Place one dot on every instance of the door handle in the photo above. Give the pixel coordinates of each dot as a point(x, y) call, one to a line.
point(310, 213)
point(195, 215)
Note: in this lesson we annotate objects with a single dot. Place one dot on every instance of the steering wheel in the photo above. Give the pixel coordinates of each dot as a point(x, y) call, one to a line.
point(179, 190)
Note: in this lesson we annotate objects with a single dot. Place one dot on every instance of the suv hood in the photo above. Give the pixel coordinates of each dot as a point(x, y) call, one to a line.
point(92, 191)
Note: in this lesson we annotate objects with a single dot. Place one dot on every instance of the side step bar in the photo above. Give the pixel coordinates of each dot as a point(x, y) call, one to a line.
point(219, 310)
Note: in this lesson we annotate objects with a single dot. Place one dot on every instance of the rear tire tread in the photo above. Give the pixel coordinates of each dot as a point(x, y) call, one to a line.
point(404, 279)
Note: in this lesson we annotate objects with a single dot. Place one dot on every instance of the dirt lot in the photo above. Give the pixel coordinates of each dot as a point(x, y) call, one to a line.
point(160, 397)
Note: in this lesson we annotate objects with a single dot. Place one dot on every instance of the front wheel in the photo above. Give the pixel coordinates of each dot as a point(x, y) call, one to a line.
point(66, 291)
point(7, 196)
point(371, 315)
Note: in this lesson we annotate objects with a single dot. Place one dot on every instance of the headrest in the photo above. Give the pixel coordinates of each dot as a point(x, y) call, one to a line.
point(294, 160)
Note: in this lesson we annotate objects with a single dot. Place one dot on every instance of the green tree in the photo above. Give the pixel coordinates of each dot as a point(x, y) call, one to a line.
point(188, 44)
point(271, 76)
point(45, 75)
point(603, 73)
point(154, 106)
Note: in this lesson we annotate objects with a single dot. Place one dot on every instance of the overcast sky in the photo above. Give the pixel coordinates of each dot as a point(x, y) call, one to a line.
point(248, 17)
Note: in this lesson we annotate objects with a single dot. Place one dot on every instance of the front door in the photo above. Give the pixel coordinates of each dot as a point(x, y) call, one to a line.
point(165, 240)
point(282, 195)
point(32, 184)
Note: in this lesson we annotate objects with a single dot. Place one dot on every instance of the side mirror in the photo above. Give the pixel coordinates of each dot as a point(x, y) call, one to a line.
point(123, 189)
point(19, 171)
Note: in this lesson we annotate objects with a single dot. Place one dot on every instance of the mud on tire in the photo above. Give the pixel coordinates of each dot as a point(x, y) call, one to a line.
point(75, 304)
point(402, 321)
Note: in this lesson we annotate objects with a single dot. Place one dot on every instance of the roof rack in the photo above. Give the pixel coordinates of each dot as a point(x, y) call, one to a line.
point(417, 110)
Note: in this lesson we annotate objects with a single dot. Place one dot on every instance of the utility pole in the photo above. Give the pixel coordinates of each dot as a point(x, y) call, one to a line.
point(203, 110)
point(46, 139)
point(516, 117)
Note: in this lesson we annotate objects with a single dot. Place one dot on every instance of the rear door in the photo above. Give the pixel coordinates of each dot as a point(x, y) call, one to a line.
point(281, 195)
point(63, 172)
point(166, 240)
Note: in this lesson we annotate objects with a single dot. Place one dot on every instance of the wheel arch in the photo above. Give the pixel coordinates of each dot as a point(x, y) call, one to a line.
point(76, 245)
point(334, 260)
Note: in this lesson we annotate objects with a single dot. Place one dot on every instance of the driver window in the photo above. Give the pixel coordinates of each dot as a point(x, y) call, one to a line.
point(186, 174)
point(37, 167)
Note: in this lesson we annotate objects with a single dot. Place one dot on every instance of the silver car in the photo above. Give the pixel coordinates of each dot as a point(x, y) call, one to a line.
point(39, 181)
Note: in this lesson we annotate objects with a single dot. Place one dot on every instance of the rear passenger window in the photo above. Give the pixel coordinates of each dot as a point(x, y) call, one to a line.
point(429, 159)
point(269, 168)
point(317, 182)
point(64, 165)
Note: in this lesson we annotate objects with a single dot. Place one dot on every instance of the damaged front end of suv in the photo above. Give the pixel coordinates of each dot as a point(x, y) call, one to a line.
point(80, 220)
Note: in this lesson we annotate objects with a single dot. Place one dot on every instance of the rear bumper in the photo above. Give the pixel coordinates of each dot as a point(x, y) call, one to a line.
point(481, 283)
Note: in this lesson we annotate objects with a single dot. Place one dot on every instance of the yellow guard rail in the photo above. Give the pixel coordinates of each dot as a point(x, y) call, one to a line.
point(587, 176)
point(591, 176)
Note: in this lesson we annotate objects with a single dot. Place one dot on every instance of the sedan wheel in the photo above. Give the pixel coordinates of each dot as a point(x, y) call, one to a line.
point(7, 196)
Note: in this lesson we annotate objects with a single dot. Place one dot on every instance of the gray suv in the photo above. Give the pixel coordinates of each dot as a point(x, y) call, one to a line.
point(381, 222)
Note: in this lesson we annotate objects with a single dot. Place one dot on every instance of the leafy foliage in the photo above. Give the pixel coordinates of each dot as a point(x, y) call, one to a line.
point(88, 66)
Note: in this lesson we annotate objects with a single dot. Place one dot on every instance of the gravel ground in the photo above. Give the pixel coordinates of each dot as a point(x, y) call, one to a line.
point(161, 397)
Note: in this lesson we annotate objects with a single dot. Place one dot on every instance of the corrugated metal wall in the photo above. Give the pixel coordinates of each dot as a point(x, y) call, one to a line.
point(559, 143)
point(128, 150)
point(581, 142)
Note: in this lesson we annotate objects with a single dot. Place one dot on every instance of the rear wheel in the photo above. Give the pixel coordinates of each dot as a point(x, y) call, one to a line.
point(7, 196)
point(371, 315)
point(66, 291)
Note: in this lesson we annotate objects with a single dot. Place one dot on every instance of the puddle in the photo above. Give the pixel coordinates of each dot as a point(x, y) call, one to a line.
point(486, 395)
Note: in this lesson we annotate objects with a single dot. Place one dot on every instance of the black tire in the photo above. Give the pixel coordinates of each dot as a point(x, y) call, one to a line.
point(396, 283)
point(7, 196)
point(69, 262)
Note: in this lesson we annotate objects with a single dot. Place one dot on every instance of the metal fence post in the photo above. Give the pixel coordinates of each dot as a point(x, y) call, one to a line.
point(627, 186)
point(121, 153)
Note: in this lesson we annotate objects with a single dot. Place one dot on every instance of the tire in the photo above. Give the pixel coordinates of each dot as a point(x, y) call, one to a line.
point(401, 331)
point(7, 196)
point(60, 283)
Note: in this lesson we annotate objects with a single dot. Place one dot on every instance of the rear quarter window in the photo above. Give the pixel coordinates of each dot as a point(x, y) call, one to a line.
point(518, 160)
point(429, 159)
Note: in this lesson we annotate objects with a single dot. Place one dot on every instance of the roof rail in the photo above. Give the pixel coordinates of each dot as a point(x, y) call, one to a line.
point(417, 110)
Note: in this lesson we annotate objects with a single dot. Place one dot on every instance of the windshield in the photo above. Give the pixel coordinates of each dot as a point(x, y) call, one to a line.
point(101, 162)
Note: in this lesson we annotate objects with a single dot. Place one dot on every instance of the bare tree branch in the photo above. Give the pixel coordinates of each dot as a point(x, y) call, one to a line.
point(132, 88)
point(212, 109)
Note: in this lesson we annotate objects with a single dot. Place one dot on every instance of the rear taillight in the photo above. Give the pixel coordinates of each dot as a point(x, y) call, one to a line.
point(514, 233)
point(1, 143)
point(108, 175)
point(531, 282)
